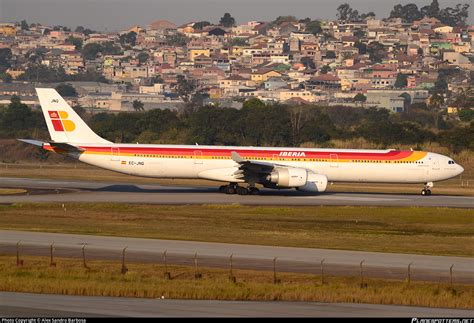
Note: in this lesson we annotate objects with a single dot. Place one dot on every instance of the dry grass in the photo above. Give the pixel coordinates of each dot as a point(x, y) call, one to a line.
point(437, 231)
point(11, 191)
point(147, 280)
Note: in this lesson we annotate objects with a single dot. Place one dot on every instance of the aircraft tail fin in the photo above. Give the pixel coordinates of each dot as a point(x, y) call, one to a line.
point(64, 124)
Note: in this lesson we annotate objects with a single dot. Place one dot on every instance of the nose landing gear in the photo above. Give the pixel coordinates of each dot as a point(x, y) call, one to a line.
point(427, 189)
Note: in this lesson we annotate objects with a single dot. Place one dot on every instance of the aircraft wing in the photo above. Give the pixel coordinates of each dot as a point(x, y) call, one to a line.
point(249, 168)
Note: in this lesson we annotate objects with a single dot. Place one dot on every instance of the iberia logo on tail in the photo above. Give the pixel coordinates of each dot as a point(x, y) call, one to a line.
point(61, 122)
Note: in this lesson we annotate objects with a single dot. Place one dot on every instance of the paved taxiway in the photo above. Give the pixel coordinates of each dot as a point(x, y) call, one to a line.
point(337, 262)
point(86, 191)
point(43, 305)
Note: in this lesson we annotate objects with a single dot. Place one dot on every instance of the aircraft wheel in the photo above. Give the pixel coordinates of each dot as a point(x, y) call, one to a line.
point(222, 188)
point(242, 190)
point(230, 189)
point(254, 191)
point(424, 192)
point(429, 192)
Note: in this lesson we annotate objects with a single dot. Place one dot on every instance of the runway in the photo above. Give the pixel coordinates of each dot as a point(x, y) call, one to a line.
point(45, 305)
point(336, 262)
point(88, 191)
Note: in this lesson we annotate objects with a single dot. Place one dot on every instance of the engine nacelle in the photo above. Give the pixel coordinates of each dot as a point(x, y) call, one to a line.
point(315, 183)
point(288, 177)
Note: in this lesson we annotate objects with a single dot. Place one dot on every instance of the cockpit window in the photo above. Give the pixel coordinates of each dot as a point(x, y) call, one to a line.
point(451, 162)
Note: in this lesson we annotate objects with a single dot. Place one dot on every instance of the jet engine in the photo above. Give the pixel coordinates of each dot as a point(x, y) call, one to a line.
point(288, 177)
point(315, 183)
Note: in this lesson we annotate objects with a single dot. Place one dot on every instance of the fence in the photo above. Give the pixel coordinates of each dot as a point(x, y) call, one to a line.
point(321, 267)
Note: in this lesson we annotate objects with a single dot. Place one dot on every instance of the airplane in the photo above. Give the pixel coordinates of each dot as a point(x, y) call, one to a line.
point(304, 169)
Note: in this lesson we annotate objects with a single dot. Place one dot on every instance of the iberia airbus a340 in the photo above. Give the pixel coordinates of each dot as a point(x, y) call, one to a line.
point(304, 169)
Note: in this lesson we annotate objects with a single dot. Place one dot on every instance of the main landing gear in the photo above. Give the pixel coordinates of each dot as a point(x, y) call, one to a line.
point(236, 189)
point(427, 189)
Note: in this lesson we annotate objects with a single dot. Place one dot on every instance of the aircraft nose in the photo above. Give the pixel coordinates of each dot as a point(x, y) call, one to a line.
point(460, 169)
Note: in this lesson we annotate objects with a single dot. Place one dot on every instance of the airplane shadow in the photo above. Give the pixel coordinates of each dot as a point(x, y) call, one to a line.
point(212, 190)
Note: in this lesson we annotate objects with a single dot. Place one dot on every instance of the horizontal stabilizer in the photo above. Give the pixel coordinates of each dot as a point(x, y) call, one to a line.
point(66, 147)
point(32, 142)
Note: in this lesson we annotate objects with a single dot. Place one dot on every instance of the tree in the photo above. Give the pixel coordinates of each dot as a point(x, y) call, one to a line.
point(177, 39)
point(143, 57)
point(346, 13)
point(77, 42)
point(201, 24)
point(454, 16)
point(128, 38)
point(325, 69)
point(91, 50)
point(66, 89)
point(376, 52)
point(308, 62)
point(253, 103)
point(5, 57)
point(401, 81)
point(227, 20)
point(408, 13)
point(237, 41)
point(79, 29)
point(362, 47)
point(185, 88)
point(359, 97)
point(330, 54)
point(24, 25)
point(138, 105)
point(466, 115)
point(5, 77)
point(313, 27)
point(431, 10)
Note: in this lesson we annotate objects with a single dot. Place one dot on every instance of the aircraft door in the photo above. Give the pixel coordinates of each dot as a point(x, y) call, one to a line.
point(334, 161)
point(198, 157)
point(115, 154)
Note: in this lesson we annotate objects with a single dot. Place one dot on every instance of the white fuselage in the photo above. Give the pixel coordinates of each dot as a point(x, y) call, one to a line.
point(215, 163)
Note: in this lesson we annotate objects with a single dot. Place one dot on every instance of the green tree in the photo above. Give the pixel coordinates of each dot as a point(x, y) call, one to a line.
point(466, 115)
point(91, 50)
point(325, 69)
point(376, 52)
point(362, 47)
point(401, 81)
point(408, 13)
point(227, 20)
point(129, 38)
point(237, 41)
point(201, 24)
point(138, 105)
point(254, 103)
point(77, 42)
point(66, 89)
point(359, 97)
point(431, 10)
point(24, 25)
point(143, 57)
point(456, 16)
point(314, 27)
point(185, 88)
point(6, 78)
point(346, 13)
point(5, 57)
point(177, 40)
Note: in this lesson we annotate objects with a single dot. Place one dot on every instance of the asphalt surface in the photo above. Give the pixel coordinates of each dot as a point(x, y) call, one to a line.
point(45, 305)
point(88, 191)
point(308, 260)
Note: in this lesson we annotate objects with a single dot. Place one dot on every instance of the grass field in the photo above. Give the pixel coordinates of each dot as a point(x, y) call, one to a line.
point(11, 191)
point(103, 278)
point(437, 231)
point(463, 185)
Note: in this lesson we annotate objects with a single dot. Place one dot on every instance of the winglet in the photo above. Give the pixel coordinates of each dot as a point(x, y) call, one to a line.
point(237, 158)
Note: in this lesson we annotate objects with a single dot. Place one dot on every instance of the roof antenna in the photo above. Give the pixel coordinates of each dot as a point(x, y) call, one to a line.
point(197, 144)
